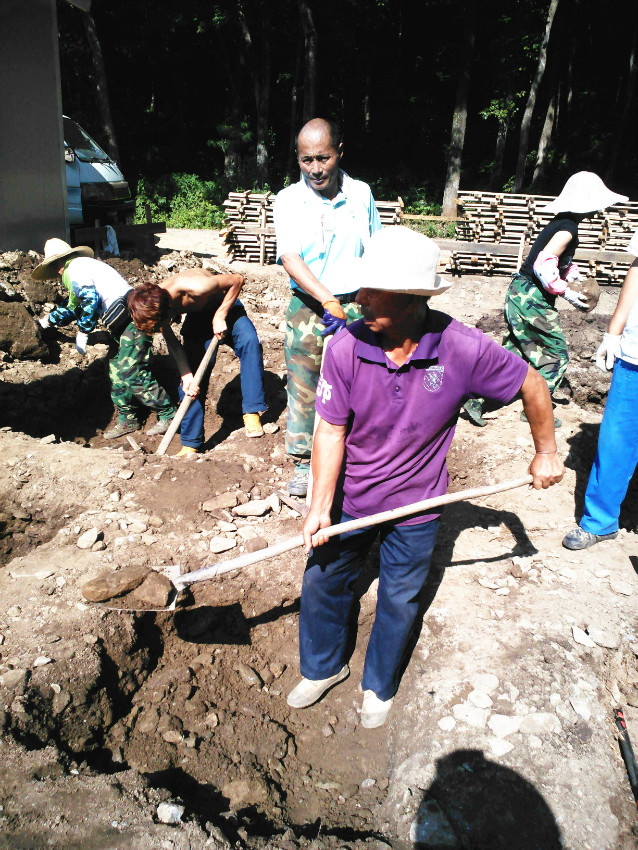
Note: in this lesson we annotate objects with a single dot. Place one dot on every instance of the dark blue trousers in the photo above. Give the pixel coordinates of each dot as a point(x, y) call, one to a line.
point(197, 333)
point(327, 596)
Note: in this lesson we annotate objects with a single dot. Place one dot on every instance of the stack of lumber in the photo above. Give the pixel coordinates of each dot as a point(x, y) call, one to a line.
point(498, 221)
point(249, 233)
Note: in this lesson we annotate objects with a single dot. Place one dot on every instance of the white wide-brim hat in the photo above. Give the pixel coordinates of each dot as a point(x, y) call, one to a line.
point(56, 250)
point(584, 192)
point(396, 259)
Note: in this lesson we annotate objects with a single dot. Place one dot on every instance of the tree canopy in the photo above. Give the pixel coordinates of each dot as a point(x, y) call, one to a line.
point(216, 88)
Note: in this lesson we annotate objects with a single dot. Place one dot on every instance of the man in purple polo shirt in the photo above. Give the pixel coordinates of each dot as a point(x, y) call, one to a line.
point(388, 398)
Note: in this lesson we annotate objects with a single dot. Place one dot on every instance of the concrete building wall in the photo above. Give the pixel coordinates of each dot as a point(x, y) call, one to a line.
point(32, 175)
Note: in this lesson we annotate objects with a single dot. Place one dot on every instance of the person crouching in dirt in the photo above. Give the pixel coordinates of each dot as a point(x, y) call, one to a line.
point(98, 292)
point(533, 322)
point(212, 309)
point(389, 395)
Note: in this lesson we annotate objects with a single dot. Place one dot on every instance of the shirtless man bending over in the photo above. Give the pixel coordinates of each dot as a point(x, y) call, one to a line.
point(213, 309)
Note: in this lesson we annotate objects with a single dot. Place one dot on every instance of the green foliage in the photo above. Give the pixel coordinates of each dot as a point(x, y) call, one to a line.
point(181, 200)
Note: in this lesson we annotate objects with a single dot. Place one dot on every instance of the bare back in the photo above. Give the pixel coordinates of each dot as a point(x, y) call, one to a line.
point(194, 289)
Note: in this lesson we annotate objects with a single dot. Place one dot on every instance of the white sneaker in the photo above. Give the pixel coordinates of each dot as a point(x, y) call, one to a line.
point(374, 711)
point(309, 691)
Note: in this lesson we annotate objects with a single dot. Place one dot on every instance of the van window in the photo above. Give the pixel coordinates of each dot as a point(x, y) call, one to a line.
point(86, 149)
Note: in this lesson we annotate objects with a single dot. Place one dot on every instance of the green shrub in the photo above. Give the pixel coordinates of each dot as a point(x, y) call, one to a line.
point(181, 200)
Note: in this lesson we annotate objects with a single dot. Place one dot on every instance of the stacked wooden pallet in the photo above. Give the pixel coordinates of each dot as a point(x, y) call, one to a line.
point(249, 234)
point(498, 220)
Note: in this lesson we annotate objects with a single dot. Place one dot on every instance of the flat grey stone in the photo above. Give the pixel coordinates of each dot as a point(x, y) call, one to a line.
point(503, 725)
point(470, 714)
point(221, 544)
point(480, 699)
point(582, 637)
point(581, 707)
point(37, 571)
point(257, 507)
point(486, 682)
point(221, 502)
point(540, 723)
point(88, 538)
point(620, 586)
point(500, 747)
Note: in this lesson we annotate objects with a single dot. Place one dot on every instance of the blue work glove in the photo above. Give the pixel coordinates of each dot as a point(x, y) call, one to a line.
point(332, 323)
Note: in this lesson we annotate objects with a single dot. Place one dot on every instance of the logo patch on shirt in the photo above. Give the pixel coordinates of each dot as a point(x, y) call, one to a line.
point(324, 390)
point(433, 378)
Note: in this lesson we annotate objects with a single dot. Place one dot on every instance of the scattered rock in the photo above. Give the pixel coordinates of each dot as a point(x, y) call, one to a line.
point(89, 538)
point(540, 723)
point(226, 526)
point(32, 571)
point(485, 682)
point(447, 723)
point(169, 813)
point(48, 440)
point(327, 730)
point(582, 637)
point(41, 660)
point(470, 714)
point(503, 725)
point(155, 590)
point(500, 747)
point(581, 707)
point(248, 675)
point(224, 501)
point(125, 474)
point(221, 544)
point(258, 507)
point(112, 584)
point(14, 680)
point(275, 503)
point(480, 699)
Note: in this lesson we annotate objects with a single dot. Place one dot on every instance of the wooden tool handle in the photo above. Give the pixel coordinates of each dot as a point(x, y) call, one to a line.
point(246, 560)
point(186, 401)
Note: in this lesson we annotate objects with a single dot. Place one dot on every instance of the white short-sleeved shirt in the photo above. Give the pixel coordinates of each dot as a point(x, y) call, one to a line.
point(325, 232)
point(629, 339)
point(108, 284)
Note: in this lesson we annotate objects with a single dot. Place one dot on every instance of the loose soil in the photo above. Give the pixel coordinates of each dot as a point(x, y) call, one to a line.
point(106, 714)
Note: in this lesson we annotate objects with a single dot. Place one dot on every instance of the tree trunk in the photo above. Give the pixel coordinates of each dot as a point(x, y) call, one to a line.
point(101, 86)
point(292, 167)
point(459, 121)
point(531, 100)
point(260, 72)
point(620, 141)
point(310, 75)
point(543, 145)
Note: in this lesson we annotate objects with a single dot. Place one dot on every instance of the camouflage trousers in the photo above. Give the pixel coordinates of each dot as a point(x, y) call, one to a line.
point(534, 331)
point(304, 349)
point(132, 381)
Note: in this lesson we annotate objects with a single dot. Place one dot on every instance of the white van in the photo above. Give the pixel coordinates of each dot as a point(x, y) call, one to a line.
point(96, 187)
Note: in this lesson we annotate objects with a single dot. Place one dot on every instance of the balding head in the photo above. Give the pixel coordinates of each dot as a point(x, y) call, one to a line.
point(318, 131)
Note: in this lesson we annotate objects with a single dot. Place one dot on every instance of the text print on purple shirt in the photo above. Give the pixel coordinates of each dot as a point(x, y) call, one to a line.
point(401, 420)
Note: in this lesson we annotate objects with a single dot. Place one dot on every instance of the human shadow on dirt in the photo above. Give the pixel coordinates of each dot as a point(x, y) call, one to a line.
point(229, 406)
point(477, 803)
point(581, 456)
point(226, 624)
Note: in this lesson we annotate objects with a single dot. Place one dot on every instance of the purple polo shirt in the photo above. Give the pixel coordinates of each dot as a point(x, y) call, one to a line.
point(401, 420)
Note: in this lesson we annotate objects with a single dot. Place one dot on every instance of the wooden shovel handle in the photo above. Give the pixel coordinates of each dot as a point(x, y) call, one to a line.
point(186, 401)
point(246, 560)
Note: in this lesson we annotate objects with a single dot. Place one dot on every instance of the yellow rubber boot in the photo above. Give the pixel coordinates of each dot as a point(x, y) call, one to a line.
point(252, 425)
point(186, 451)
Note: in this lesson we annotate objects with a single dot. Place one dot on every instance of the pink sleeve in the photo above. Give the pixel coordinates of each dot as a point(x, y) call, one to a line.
point(546, 270)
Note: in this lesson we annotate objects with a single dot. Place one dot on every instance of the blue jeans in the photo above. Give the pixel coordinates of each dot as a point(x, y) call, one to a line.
point(197, 333)
point(327, 596)
point(616, 455)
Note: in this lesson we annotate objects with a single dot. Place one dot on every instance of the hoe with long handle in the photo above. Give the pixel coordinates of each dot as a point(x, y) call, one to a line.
point(186, 401)
point(206, 573)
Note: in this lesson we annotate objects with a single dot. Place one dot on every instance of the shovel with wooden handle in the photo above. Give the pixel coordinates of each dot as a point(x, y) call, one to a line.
point(206, 573)
point(187, 400)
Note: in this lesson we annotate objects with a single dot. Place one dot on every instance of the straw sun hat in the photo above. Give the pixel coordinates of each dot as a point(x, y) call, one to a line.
point(584, 192)
point(396, 259)
point(56, 253)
